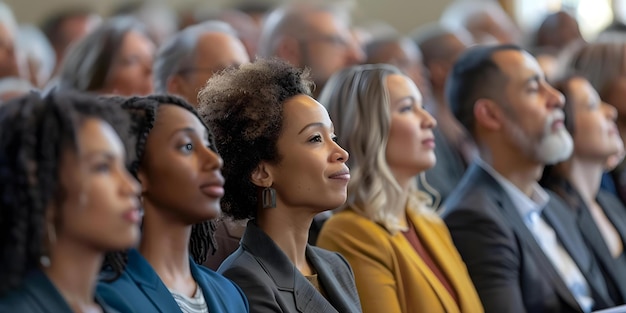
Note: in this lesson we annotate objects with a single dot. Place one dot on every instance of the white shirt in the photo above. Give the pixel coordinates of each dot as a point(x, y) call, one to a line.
point(530, 209)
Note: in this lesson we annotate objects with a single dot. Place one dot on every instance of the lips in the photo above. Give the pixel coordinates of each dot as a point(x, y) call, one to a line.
point(213, 188)
point(341, 175)
point(133, 214)
point(429, 142)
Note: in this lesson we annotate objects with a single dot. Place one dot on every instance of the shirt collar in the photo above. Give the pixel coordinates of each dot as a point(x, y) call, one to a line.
point(524, 204)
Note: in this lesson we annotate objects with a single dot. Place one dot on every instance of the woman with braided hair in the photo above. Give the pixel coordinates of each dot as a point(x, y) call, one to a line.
point(66, 198)
point(181, 186)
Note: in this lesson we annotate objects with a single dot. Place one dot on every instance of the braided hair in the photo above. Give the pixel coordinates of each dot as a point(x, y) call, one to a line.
point(144, 113)
point(35, 132)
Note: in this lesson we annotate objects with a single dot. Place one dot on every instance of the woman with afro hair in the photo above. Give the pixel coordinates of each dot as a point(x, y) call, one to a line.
point(66, 198)
point(179, 171)
point(282, 167)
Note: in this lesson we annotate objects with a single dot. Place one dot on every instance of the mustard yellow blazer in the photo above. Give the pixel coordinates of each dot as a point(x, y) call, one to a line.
point(390, 276)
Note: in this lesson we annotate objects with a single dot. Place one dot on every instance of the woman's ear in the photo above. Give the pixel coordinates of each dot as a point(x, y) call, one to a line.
point(143, 181)
point(261, 176)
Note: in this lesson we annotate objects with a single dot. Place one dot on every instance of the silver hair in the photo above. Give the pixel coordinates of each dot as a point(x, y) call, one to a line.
point(37, 47)
point(15, 85)
point(7, 18)
point(179, 51)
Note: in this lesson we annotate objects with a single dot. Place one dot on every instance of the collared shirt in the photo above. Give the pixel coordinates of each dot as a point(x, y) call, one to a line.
point(530, 209)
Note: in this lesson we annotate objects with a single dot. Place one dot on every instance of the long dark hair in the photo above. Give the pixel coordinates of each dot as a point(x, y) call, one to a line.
point(34, 134)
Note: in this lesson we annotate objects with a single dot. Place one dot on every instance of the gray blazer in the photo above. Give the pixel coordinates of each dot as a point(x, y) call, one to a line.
point(509, 269)
point(273, 284)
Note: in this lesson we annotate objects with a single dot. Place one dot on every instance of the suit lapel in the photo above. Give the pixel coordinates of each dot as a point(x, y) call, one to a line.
point(512, 216)
point(214, 304)
point(149, 282)
point(427, 236)
point(333, 288)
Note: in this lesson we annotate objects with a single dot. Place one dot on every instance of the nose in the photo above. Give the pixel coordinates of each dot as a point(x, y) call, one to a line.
point(340, 154)
point(355, 53)
point(555, 99)
point(211, 160)
point(130, 186)
point(610, 111)
point(428, 121)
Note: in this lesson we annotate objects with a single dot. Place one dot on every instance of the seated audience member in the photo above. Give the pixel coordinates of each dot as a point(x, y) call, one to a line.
point(67, 26)
point(187, 60)
point(402, 53)
point(520, 243)
point(310, 35)
point(401, 252)
point(601, 217)
point(282, 167)
point(116, 58)
point(603, 64)
point(557, 31)
point(181, 187)
point(66, 199)
point(485, 20)
point(440, 47)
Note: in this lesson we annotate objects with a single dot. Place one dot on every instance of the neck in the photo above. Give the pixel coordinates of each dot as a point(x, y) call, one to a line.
point(165, 245)
point(289, 229)
point(521, 172)
point(401, 201)
point(73, 270)
point(585, 176)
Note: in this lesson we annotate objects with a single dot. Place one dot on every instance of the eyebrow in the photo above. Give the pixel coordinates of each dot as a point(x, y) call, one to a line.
point(413, 99)
point(190, 130)
point(107, 154)
point(317, 124)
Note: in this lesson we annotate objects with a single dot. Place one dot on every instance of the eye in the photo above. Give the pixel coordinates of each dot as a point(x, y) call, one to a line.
point(186, 148)
point(103, 167)
point(316, 138)
point(406, 108)
point(335, 138)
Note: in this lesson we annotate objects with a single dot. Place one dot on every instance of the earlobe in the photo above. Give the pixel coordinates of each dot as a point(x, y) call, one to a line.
point(261, 176)
point(143, 181)
point(488, 114)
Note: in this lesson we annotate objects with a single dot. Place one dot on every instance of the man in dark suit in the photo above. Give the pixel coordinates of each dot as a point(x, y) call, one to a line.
point(519, 243)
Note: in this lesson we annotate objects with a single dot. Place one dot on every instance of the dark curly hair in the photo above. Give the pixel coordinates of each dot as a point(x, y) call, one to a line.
point(143, 113)
point(244, 109)
point(35, 132)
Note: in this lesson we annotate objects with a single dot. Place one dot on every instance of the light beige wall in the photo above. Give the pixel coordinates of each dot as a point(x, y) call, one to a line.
point(404, 15)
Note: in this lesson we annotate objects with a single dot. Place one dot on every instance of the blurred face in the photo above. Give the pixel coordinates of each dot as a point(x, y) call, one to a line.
point(411, 144)
point(533, 109)
point(595, 133)
point(328, 47)
point(101, 207)
point(9, 63)
point(179, 173)
point(615, 94)
point(131, 68)
point(312, 173)
point(405, 56)
point(215, 52)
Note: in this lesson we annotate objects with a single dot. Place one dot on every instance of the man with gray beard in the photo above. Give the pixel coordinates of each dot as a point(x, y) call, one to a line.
point(519, 242)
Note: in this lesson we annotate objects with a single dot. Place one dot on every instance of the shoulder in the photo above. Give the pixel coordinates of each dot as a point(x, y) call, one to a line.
point(117, 293)
point(330, 257)
point(21, 301)
point(350, 226)
point(223, 288)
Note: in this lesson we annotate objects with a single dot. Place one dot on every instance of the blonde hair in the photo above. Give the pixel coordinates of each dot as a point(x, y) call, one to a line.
point(357, 101)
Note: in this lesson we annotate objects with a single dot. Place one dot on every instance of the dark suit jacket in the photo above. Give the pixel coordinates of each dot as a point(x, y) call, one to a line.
point(508, 267)
point(140, 290)
point(614, 270)
point(37, 294)
point(273, 284)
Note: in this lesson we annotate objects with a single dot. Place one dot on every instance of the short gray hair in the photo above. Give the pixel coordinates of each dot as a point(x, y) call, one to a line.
point(7, 18)
point(179, 50)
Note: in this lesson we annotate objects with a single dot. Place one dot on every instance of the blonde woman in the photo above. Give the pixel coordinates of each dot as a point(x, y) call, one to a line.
point(400, 251)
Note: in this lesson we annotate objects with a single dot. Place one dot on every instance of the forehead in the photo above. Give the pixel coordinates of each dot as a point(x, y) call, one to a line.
point(326, 22)
point(97, 135)
point(171, 118)
point(517, 65)
point(214, 47)
point(401, 86)
point(301, 110)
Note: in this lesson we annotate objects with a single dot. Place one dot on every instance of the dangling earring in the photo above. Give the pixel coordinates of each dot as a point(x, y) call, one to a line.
point(44, 260)
point(268, 197)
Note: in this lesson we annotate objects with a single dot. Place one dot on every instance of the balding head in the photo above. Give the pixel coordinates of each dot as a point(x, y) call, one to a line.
point(313, 36)
point(187, 60)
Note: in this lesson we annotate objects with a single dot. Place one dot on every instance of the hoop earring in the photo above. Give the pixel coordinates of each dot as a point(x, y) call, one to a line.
point(268, 198)
point(44, 260)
